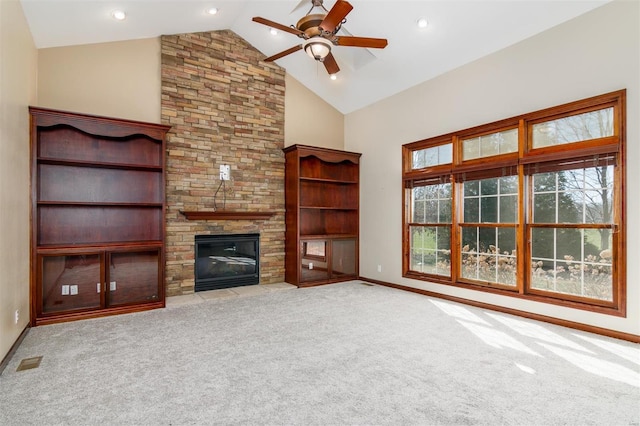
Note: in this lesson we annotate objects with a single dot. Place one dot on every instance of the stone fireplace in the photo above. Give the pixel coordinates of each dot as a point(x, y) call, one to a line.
point(225, 106)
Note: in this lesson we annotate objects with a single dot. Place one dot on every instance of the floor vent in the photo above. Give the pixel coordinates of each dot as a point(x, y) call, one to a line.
point(29, 363)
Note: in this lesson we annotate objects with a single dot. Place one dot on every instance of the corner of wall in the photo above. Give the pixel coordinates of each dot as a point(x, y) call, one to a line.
point(18, 63)
point(309, 120)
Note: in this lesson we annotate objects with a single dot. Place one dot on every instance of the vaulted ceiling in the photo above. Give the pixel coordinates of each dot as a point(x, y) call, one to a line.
point(458, 32)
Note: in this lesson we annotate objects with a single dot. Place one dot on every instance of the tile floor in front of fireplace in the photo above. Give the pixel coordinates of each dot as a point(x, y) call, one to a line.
point(225, 293)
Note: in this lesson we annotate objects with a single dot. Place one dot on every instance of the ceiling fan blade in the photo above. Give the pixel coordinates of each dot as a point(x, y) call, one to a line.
point(283, 53)
point(275, 25)
point(377, 43)
point(330, 64)
point(336, 15)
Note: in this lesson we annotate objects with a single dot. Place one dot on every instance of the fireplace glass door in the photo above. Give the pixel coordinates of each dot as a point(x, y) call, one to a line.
point(224, 261)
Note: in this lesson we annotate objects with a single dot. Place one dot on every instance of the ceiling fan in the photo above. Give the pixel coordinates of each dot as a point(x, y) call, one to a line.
point(319, 32)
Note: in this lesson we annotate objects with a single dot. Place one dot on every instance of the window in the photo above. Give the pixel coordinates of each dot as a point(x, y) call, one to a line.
point(430, 229)
point(576, 128)
point(529, 206)
point(490, 145)
point(488, 231)
point(571, 231)
point(432, 156)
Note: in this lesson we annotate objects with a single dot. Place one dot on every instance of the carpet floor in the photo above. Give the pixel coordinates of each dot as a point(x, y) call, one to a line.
point(346, 353)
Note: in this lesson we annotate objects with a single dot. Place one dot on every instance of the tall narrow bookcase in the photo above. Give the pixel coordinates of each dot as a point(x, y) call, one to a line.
point(97, 231)
point(322, 215)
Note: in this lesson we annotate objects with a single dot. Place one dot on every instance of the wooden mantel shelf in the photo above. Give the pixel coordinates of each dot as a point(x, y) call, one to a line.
point(226, 215)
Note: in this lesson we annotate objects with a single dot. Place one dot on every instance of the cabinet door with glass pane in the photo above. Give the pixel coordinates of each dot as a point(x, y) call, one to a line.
point(70, 282)
point(313, 260)
point(133, 276)
point(328, 259)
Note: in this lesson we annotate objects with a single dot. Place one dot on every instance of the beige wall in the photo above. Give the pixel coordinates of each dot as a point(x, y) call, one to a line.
point(590, 55)
point(309, 120)
point(122, 79)
point(18, 58)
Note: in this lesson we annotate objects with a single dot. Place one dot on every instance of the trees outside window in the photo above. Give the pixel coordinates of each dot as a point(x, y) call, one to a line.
point(571, 236)
point(430, 229)
point(530, 206)
point(488, 225)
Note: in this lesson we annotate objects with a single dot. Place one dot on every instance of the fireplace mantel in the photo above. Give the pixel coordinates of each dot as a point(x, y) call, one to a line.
point(226, 215)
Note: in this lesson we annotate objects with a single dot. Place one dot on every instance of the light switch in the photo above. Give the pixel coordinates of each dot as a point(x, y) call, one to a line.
point(65, 290)
point(73, 289)
point(112, 286)
point(225, 172)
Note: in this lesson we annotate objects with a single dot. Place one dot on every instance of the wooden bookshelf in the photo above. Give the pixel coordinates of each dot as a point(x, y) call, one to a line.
point(322, 215)
point(98, 206)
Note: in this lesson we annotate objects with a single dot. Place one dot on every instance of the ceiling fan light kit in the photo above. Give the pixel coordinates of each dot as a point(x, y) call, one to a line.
point(317, 48)
point(319, 32)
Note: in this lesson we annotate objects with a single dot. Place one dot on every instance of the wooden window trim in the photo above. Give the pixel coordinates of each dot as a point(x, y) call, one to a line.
point(496, 170)
point(586, 149)
point(610, 147)
point(421, 174)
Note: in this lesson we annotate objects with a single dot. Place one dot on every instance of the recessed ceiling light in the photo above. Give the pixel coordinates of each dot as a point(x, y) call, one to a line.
point(273, 32)
point(119, 15)
point(422, 23)
point(212, 10)
point(333, 77)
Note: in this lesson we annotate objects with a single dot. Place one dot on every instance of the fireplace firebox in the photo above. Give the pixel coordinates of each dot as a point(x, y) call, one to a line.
point(227, 260)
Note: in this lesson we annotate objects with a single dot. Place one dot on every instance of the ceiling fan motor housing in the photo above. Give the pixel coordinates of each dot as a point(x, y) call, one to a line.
point(310, 24)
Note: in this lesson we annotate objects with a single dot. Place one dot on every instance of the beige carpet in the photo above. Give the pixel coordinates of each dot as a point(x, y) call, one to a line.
point(340, 354)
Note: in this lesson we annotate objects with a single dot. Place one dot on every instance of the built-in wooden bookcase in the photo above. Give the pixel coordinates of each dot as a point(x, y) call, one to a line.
point(322, 215)
point(97, 232)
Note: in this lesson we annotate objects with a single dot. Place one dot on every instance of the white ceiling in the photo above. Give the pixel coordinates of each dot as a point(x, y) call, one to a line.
point(458, 33)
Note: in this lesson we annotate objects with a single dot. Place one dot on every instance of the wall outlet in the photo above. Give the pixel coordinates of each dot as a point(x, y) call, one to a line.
point(112, 286)
point(73, 289)
point(16, 315)
point(310, 265)
point(379, 268)
point(225, 172)
point(65, 290)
